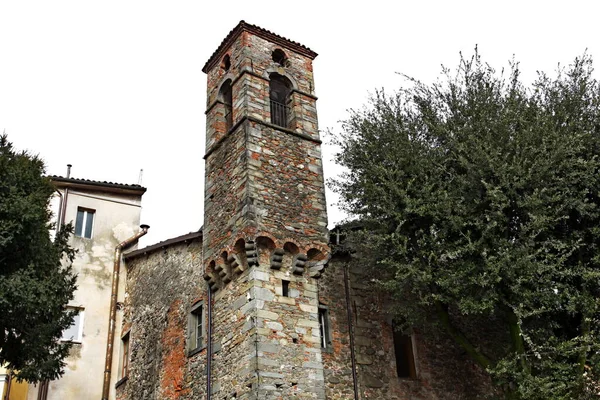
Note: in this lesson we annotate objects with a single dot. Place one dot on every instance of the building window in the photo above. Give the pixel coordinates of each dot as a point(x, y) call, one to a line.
point(226, 63)
point(279, 94)
point(226, 96)
point(84, 222)
point(285, 288)
point(279, 57)
point(405, 360)
point(74, 333)
point(196, 328)
point(324, 327)
point(125, 355)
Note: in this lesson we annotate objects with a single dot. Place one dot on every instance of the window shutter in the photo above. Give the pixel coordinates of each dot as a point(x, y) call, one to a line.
point(190, 332)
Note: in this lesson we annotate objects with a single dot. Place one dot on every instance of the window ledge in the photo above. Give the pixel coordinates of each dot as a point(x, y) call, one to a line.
point(195, 351)
point(121, 381)
point(82, 237)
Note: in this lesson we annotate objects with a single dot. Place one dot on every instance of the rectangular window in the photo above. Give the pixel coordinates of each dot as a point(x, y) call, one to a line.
point(74, 332)
point(125, 355)
point(324, 328)
point(405, 360)
point(196, 328)
point(285, 288)
point(84, 222)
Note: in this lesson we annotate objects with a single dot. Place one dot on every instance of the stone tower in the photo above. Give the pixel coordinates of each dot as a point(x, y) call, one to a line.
point(265, 238)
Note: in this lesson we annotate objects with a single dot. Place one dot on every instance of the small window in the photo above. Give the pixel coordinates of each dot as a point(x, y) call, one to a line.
point(405, 360)
point(324, 327)
point(285, 288)
point(226, 63)
point(196, 328)
point(84, 222)
point(125, 355)
point(279, 57)
point(74, 333)
point(280, 89)
point(226, 96)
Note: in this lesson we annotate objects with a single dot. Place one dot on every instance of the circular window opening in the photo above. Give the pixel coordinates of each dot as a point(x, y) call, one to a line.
point(279, 57)
point(226, 63)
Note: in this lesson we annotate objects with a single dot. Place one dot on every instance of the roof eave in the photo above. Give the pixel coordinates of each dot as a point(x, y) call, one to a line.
point(188, 237)
point(61, 182)
point(258, 31)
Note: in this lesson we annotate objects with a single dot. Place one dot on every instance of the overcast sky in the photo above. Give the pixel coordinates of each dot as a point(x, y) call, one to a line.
point(113, 87)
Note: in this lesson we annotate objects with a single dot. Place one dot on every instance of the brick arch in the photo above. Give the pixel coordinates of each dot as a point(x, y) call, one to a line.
point(268, 235)
point(268, 71)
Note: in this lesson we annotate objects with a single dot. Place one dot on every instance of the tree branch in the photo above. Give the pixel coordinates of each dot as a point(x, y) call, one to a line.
point(517, 339)
point(459, 337)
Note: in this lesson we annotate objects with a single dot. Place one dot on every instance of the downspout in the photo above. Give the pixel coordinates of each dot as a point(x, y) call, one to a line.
point(63, 201)
point(351, 331)
point(59, 217)
point(209, 344)
point(113, 306)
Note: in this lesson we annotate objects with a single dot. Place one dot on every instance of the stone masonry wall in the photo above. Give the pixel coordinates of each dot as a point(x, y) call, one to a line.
point(287, 329)
point(444, 371)
point(160, 289)
point(272, 183)
point(225, 194)
point(286, 185)
point(267, 345)
point(233, 340)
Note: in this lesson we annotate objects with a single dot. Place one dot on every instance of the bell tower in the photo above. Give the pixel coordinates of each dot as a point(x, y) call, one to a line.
point(265, 221)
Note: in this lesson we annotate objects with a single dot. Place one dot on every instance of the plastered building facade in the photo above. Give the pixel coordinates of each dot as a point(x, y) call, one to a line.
point(256, 305)
point(103, 215)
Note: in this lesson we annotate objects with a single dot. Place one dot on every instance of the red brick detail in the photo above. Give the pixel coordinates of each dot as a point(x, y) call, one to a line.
point(174, 358)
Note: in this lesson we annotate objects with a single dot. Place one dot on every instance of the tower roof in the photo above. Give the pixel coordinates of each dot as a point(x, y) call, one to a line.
point(258, 31)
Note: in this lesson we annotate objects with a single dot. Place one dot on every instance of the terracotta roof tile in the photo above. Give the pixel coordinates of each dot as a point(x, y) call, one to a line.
point(165, 243)
point(57, 178)
point(258, 31)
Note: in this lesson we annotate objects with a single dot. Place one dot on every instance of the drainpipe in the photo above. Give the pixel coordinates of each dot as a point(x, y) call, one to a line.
point(351, 330)
point(59, 217)
point(63, 201)
point(209, 344)
point(113, 306)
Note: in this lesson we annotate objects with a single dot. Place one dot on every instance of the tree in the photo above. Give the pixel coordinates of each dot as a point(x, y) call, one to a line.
point(35, 283)
point(479, 200)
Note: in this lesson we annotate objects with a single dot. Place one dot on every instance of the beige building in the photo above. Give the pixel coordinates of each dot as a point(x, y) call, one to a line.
point(104, 215)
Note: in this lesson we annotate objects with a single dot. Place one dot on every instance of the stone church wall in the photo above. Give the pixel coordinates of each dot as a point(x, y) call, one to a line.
point(444, 371)
point(160, 289)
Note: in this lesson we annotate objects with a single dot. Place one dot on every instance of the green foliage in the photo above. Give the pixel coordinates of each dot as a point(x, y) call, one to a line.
point(479, 200)
point(36, 281)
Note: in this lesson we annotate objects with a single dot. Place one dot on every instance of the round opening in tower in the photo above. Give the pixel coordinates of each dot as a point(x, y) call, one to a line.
point(279, 57)
point(226, 63)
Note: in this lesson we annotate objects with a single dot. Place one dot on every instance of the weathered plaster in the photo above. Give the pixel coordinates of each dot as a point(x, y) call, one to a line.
point(117, 217)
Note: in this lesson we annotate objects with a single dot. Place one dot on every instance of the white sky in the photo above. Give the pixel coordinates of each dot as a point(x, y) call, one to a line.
point(116, 86)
